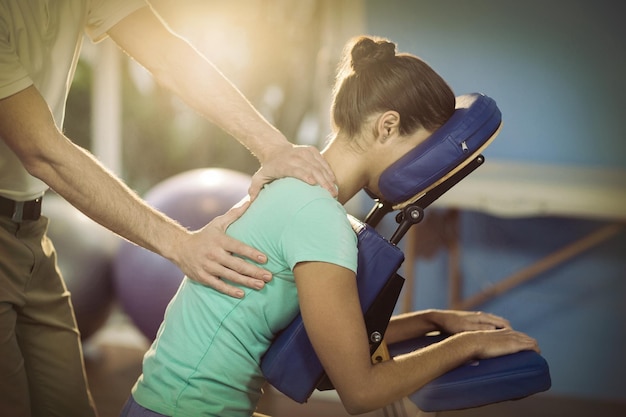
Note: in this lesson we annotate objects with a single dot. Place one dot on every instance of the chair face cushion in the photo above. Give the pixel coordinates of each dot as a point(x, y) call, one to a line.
point(473, 123)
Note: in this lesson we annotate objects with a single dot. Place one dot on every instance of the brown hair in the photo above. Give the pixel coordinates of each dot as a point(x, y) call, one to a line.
point(372, 78)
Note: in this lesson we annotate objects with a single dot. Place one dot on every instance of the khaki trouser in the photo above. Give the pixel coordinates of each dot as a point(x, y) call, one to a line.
point(41, 364)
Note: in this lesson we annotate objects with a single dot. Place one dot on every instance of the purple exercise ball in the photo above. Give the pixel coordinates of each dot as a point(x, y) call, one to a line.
point(145, 282)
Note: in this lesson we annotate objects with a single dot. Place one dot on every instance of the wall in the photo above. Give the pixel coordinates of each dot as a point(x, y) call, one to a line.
point(556, 70)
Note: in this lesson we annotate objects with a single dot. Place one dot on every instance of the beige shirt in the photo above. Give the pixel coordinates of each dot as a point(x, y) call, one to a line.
point(40, 42)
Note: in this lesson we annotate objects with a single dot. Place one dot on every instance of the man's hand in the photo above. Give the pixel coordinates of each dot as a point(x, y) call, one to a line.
point(208, 256)
point(302, 162)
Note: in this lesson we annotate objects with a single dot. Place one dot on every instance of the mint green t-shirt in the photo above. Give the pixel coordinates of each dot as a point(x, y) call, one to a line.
point(206, 358)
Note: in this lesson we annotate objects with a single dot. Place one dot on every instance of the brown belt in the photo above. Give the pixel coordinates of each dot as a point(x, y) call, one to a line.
point(19, 211)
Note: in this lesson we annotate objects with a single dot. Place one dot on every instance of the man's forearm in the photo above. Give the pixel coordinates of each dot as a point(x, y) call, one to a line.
point(180, 68)
point(27, 126)
point(79, 178)
point(232, 112)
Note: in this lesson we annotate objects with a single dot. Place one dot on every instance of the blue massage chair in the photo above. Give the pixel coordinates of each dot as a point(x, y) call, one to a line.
point(408, 187)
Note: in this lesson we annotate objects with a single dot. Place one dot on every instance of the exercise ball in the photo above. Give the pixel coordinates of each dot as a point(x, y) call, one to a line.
point(85, 252)
point(144, 281)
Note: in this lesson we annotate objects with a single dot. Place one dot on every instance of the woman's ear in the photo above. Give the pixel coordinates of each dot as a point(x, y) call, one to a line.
point(388, 125)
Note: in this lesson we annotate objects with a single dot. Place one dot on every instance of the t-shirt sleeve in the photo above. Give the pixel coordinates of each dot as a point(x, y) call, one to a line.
point(320, 231)
point(13, 76)
point(104, 14)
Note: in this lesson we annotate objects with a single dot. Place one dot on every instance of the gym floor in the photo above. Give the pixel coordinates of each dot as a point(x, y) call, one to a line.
point(113, 361)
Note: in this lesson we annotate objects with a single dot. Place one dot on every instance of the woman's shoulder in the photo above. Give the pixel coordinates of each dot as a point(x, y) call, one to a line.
point(288, 197)
point(292, 188)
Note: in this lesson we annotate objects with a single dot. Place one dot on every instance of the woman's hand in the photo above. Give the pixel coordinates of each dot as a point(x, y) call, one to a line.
point(302, 162)
point(493, 343)
point(453, 321)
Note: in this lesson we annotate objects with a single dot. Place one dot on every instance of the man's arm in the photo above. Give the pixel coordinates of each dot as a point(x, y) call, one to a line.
point(180, 68)
point(28, 128)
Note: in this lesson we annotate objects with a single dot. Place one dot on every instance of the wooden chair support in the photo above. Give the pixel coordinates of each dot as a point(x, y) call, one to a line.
point(527, 274)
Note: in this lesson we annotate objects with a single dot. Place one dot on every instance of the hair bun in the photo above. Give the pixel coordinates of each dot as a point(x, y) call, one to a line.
point(367, 52)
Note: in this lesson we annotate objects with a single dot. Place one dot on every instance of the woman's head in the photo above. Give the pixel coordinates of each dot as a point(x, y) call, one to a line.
point(384, 104)
point(373, 79)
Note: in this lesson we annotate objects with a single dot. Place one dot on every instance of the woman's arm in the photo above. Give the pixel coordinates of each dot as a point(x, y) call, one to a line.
point(418, 323)
point(334, 322)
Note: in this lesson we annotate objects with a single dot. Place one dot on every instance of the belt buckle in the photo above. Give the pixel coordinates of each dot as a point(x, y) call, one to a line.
point(18, 212)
